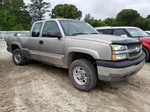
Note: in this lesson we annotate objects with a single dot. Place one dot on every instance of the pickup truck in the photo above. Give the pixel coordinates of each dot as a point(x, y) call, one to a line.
point(77, 46)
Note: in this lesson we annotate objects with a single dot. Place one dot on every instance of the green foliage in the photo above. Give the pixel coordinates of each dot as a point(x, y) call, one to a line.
point(88, 18)
point(144, 23)
point(13, 13)
point(148, 17)
point(66, 11)
point(128, 17)
point(7, 21)
point(38, 8)
point(94, 22)
point(24, 19)
point(110, 21)
point(15, 16)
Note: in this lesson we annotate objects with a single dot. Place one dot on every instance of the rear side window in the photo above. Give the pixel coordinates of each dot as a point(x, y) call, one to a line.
point(106, 31)
point(120, 32)
point(50, 25)
point(36, 29)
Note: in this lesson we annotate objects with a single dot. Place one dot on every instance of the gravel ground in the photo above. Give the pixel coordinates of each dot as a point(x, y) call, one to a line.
point(37, 87)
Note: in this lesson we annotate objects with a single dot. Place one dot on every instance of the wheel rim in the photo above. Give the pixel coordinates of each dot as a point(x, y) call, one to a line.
point(79, 75)
point(17, 57)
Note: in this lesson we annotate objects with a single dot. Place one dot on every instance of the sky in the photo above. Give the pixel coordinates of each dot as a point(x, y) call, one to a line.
point(101, 9)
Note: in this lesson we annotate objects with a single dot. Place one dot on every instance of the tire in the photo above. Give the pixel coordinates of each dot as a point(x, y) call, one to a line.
point(18, 58)
point(147, 54)
point(90, 74)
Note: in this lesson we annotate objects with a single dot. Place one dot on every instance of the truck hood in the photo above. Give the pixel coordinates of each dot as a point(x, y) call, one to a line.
point(105, 38)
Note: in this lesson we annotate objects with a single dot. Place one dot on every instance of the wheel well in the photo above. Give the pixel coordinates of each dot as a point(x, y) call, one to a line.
point(74, 56)
point(145, 49)
point(13, 47)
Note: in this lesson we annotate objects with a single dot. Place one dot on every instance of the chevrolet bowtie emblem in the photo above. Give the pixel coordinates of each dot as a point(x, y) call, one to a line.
point(137, 49)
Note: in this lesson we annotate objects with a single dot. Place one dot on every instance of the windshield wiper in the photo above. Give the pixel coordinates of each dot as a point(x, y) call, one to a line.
point(80, 33)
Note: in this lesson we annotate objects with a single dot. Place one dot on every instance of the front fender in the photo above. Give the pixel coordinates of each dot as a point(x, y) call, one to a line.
point(147, 46)
point(91, 52)
point(71, 50)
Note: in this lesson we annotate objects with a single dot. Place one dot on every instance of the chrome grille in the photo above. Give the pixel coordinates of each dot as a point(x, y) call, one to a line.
point(133, 46)
point(137, 48)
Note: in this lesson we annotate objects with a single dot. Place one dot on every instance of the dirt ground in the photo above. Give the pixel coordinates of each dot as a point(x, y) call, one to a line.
point(37, 87)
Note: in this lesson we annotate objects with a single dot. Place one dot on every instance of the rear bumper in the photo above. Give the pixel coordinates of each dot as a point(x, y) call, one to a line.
point(117, 71)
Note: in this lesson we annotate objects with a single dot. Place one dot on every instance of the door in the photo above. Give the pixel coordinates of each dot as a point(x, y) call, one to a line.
point(51, 50)
point(33, 42)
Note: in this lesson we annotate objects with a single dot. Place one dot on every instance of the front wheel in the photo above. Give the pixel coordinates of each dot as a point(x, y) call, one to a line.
point(18, 58)
point(83, 75)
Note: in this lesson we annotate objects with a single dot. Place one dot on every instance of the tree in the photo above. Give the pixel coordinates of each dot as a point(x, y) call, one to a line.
point(127, 17)
point(88, 18)
point(7, 21)
point(66, 11)
point(38, 8)
point(12, 15)
point(24, 19)
point(92, 21)
point(148, 17)
point(110, 21)
point(143, 23)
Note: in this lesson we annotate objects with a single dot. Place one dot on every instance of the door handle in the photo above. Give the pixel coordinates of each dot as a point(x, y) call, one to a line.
point(40, 42)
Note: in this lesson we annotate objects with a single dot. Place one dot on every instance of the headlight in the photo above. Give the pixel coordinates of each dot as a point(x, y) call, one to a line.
point(115, 55)
point(118, 47)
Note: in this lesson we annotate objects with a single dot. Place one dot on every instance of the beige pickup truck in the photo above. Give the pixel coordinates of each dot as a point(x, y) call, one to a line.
point(77, 46)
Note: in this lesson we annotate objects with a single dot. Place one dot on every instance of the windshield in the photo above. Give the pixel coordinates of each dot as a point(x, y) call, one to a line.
point(136, 32)
point(148, 33)
point(73, 28)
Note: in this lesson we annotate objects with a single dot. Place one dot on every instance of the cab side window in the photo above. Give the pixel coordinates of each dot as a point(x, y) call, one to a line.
point(36, 29)
point(50, 26)
point(106, 31)
point(120, 32)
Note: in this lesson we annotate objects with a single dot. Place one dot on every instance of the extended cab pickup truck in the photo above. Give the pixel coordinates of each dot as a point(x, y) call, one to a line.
point(77, 46)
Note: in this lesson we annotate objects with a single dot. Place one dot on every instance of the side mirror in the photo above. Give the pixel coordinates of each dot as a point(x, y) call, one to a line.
point(54, 33)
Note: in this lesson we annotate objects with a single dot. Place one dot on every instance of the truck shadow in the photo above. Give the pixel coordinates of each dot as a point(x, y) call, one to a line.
point(61, 74)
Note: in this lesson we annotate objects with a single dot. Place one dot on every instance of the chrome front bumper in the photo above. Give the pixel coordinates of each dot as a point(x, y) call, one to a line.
point(118, 74)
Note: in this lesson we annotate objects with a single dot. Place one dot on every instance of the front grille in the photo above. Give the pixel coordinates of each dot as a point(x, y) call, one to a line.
point(134, 54)
point(133, 46)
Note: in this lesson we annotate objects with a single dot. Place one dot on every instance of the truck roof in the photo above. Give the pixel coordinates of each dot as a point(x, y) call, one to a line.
point(118, 27)
point(147, 31)
point(57, 19)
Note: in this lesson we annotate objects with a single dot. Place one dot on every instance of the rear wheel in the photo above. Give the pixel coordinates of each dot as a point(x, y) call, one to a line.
point(83, 75)
point(18, 58)
point(147, 54)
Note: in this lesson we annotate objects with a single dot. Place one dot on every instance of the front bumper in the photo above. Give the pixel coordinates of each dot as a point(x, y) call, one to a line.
point(119, 70)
